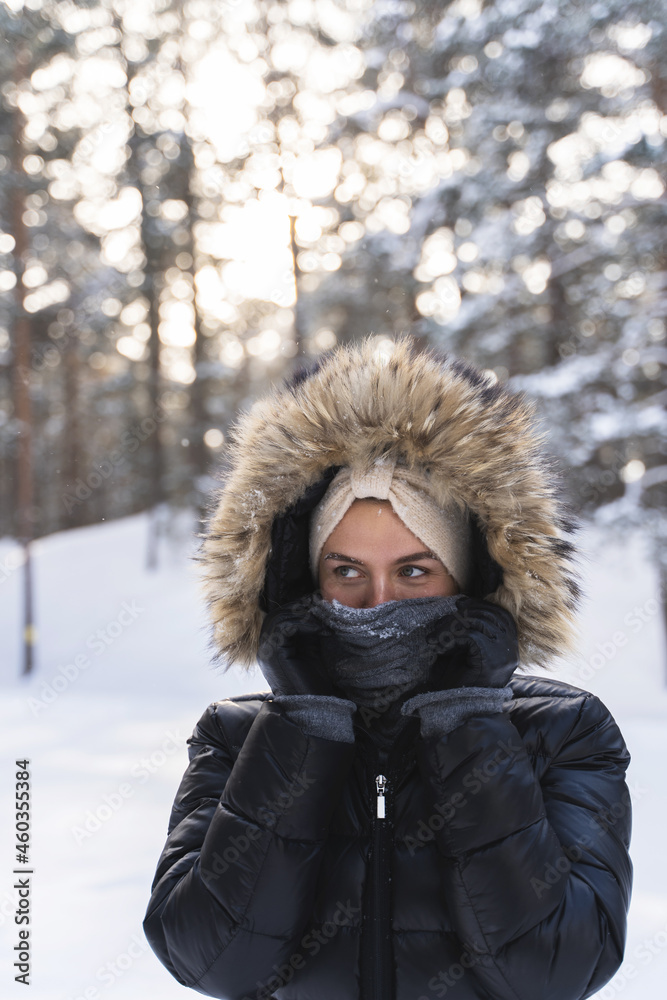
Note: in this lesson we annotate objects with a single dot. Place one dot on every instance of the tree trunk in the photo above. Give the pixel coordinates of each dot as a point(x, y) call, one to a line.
point(72, 442)
point(298, 331)
point(22, 372)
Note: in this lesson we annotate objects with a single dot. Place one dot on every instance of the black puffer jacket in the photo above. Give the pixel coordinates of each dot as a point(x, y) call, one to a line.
point(500, 870)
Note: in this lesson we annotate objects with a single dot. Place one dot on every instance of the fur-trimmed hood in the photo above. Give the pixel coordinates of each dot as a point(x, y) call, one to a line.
point(477, 439)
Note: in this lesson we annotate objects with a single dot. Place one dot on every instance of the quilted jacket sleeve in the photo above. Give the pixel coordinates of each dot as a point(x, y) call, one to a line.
point(537, 873)
point(236, 881)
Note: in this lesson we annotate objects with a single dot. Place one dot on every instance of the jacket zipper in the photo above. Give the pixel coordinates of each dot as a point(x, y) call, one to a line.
point(381, 871)
point(376, 960)
point(381, 784)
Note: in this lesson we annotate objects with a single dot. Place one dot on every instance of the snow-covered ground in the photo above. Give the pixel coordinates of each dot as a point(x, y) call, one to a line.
point(122, 674)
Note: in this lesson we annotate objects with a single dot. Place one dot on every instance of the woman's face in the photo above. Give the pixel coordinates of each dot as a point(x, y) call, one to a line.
point(371, 557)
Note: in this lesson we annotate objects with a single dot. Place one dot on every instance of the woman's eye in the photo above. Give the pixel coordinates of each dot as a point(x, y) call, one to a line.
point(345, 572)
point(413, 576)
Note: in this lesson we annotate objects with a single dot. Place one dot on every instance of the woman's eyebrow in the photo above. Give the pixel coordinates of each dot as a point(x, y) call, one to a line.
point(337, 555)
point(416, 555)
point(403, 559)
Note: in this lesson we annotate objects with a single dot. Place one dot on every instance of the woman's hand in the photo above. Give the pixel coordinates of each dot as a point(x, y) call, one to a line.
point(291, 651)
point(475, 647)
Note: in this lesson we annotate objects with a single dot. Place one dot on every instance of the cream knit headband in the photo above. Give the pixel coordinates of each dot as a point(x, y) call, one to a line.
point(446, 532)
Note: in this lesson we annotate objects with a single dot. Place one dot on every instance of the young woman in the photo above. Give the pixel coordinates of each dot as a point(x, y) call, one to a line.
point(407, 814)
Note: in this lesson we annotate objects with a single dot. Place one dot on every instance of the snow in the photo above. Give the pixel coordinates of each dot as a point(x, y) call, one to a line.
point(568, 377)
point(122, 674)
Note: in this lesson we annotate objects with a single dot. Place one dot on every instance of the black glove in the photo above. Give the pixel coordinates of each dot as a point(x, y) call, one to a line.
point(476, 646)
point(291, 651)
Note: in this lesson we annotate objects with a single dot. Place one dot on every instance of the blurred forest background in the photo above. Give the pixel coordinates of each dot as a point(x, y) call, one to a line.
point(198, 195)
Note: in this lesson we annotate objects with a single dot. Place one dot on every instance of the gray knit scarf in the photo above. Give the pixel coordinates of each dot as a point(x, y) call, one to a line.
point(384, 649)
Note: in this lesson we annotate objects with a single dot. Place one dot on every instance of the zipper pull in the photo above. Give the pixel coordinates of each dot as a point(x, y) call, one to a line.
point(380, 784)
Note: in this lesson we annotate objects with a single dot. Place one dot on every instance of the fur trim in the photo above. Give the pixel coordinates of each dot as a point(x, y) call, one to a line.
point(477, 439)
